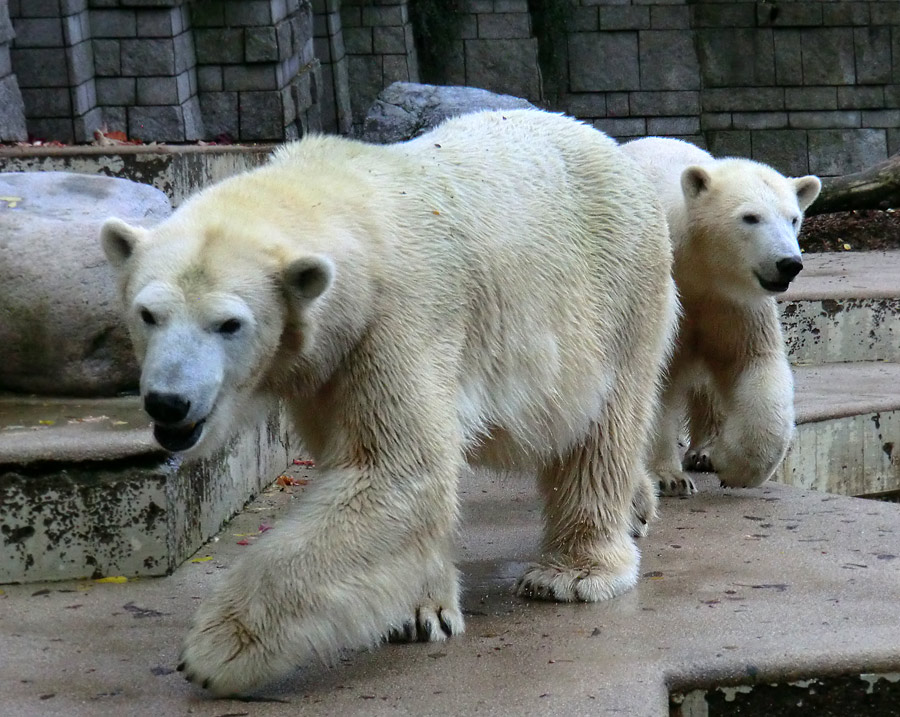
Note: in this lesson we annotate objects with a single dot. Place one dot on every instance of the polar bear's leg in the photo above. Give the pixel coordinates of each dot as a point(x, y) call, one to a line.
point(665, 459)
point(703, 427)
point(644, 505)
point(588, 553)
point(758, 424)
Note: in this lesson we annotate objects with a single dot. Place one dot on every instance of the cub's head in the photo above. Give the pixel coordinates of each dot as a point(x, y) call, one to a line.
point(747, 217)
point(210, 312)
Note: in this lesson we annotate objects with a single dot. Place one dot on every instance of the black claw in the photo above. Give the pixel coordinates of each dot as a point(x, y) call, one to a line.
point(205, 684)
point(180, 667)
point(445, 626)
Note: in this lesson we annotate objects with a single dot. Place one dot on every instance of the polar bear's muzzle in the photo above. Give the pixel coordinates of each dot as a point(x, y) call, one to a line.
point(786, 270)
point(170, 430)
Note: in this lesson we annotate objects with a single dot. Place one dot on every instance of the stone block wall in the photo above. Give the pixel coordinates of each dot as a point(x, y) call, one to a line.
point(166, 70)
point(12, 107)
point(328, 38)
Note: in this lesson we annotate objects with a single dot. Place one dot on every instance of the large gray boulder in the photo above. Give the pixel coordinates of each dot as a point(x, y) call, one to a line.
point(405, 110)
point(61, 330)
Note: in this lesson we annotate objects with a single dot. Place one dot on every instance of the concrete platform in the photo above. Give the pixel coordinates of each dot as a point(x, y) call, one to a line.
point(738, 587)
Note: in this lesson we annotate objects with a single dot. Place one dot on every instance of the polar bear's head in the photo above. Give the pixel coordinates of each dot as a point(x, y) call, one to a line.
point(746, 217)
point(211, 310)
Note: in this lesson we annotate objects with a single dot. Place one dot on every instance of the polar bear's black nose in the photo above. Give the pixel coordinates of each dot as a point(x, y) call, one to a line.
point(166, 407)
point(789, 267)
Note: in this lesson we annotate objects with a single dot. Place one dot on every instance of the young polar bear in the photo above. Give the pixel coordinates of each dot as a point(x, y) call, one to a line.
point(734, 226)
point(497, 290)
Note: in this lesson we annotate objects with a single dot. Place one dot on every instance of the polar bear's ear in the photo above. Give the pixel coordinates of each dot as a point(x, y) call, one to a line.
point(119, 240)
point(694, 180)
point(808, 189)
point(309, 277)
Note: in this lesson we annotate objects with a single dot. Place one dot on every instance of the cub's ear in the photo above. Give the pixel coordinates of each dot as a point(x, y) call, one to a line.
point(694, 180)
point(808, 189)
point(309, 277)
point(119, 240)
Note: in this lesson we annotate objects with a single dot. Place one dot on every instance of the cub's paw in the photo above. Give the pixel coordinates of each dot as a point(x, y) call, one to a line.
point(643, 507)
point(675, 483)
point(543, 582)
point(698, 460)
point(431, 623)
point(224, 655)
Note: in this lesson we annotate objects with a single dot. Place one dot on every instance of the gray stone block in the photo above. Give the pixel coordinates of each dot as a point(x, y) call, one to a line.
point(729, 143)
point(884, 13)
point(71, 7)
point(504, 66)
point(378, 16)
point(158, 23)
point(148, 57)
point(323, 49)
point(241, 13)
point(194, 128)
point(624, 17)
point(622, 128)
point(892, 96)
point(358, 40)
point(603, 62)
point(670, 17)
point(81, 62)
point(41, 67)
point(881, 118)
point(185, 54)
point(652, 104)
point(5, 61)
point(738, 99)
point(759, 120)
point(207, 14)
point(845, 13)
point(6, 29)
point(842, 151)
point(350, 16)
point(284, 38)
point(395, 68)
point(38, 32)
point(161, 123)
point(785, 150)
point(12, 111)
point(250, 77)
point(389, 40)
point(873, 55)
point(673, 126)
point(37, 8)
point(799, 14)
point(76, 28)
point(157, 91)
point(365, 82)
point(893, 136)
point(617, 105)
point(510, 5)
point(811, 98)
point(788, 57)
point(668, 61)
point(725, 14)
point(824, 120)
point(61, 332)
point(84, 98)
point(209, 79)
point(736, 57)
point(116, 90)
point(107, 58)
point(219, 46)
point(588, 105)
point(51, 129)
point(715, 121)
point(113, 23)
point(583, 19)
point(220, 114)
point(504, 26)
point(260, 114)
point(828, 57)
point(186, 84)
point(860, 97)
point(261, 44)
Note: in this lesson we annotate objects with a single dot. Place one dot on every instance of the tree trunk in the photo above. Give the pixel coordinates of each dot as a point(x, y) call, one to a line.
point(877, 187)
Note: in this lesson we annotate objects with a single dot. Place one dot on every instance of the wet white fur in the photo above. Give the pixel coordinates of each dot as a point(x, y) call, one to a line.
point(729, 379)
point(498, 291)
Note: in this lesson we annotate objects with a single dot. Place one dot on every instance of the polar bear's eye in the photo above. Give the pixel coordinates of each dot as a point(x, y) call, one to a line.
point(750, 218)
point(147, 317)
point(795, 221)
point(232, 326)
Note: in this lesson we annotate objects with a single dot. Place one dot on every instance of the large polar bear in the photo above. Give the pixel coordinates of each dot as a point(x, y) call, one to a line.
point(734, 226)
point(497, 290)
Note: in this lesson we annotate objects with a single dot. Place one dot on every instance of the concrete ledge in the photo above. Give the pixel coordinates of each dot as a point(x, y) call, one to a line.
point(737, 587)
point(844, 307)
point(87, 493)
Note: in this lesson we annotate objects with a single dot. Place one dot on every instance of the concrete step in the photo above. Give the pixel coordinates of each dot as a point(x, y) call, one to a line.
point(844, 307)
point(848, 429)
point(86, 492)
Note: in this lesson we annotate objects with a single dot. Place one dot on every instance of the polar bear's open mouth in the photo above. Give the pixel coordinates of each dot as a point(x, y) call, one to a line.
point(776, 287)
point(177, 438)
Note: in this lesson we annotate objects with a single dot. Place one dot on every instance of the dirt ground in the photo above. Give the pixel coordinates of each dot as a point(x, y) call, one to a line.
point(859, 230)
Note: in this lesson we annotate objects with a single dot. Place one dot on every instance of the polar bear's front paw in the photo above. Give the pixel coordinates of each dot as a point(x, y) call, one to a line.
point(675, 483)
point(698, 460)
point(643, 507)
point(222, 654)
point(432, 623)
point(542, 582)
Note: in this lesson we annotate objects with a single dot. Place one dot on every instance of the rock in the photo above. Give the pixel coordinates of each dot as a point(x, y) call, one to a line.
point(61, 330)
point(405, 110)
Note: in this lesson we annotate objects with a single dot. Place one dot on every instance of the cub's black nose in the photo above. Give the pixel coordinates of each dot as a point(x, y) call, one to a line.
point(789, 267)
point(166, 407)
